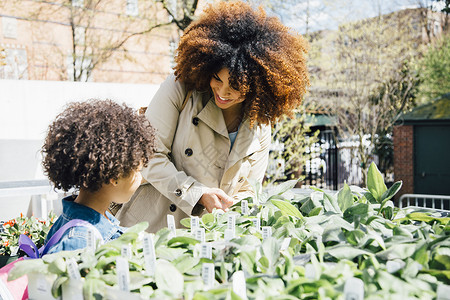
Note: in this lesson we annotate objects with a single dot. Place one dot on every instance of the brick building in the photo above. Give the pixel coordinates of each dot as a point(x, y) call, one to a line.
point(61, 40)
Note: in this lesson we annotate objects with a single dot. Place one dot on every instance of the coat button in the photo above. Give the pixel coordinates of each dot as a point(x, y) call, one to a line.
point(173, 207)
point(178, 192)
point(188, 152)
point(195, 121)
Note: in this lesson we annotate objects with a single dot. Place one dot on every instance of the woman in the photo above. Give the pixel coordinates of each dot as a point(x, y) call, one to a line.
point(236, 71)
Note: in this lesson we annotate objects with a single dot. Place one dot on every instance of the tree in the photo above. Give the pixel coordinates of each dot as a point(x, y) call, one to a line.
point(368, 67)
point(99, 31)
point(435, 69)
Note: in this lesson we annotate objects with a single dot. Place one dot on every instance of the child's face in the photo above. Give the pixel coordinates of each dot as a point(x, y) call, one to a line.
point(128, 185)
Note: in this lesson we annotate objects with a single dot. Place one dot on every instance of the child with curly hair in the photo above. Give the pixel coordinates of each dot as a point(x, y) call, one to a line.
point(97, 147)
point(237, 70)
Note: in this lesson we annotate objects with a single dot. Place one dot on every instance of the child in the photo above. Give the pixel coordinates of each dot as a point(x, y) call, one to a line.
point(97, 147)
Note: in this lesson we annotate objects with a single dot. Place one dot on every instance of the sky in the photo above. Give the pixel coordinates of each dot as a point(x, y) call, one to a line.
point(328, 14)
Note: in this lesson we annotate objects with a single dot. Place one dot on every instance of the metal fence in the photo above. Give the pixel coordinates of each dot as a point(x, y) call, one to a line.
point(426, 201)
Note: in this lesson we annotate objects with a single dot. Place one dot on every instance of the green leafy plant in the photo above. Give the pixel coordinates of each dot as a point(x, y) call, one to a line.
point(318, 243)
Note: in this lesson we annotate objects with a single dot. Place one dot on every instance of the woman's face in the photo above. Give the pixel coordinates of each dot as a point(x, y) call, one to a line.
point(224, 95)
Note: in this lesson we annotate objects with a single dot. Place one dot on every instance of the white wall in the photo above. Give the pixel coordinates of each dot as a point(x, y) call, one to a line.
point(27, 107)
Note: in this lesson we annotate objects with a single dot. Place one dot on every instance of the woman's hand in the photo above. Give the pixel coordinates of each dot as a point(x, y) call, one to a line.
point(215, 198)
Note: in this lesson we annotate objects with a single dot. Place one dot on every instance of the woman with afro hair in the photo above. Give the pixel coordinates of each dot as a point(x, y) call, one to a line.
point(237, 70)
point(96, 147)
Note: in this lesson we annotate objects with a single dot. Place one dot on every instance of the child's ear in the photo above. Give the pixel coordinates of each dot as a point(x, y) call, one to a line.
point(113, 182)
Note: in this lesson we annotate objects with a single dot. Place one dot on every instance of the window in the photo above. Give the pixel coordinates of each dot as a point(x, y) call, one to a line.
point(9, 28)
point(132, 8)
point(80, 36)
point(78, 3)
point(16, 64)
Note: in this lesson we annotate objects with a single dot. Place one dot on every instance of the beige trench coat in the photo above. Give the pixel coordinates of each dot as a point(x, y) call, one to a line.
point(193, 153)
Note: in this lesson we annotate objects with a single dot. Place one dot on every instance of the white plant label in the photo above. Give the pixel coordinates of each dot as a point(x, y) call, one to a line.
point(208, 275)
point(257, 223)
point(90, 242)
point(205, 250)
point(72, 269)
point(123, 274)
point(14, 251)
point(149, 254)
point(171, 225)
point(199, 234)
point(219, 214)
point(231, 222)
point(239, 285)
point(285, 244)
point(126, 251)
point(354, 289)
point(266, 232)
point(229, 234)
point(244, 207)
point(443, 292)
point(195, 223)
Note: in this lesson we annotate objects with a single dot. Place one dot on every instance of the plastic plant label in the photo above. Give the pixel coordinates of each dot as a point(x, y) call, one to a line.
point(285, 244)
point(229, 234)
point(443, 292)
point(266, 232)
point(40, 286)
point(126, 251)
point(199, 234)
point(239, 285)
point(208, 275)
point(14, 251)
point(244, 207)
point(310, 271)
point(257, 223)
point(123, 274)
point(354, 289)
point(90, 241)
point(149, 254)
point(205, 250)
point(231, 222)
point(72, 269)
point(219, 214)
point(195, 223)
point(171, 225)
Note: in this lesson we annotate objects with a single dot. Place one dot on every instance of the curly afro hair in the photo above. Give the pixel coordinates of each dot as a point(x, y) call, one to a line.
point(265, 59)
point(95, 141)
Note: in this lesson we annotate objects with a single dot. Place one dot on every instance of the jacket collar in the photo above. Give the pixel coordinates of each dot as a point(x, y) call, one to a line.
point(212, 116)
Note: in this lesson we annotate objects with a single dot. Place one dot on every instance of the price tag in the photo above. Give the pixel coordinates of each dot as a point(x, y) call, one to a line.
point(195, 223)
point(229, 234)
point(199, 234)
point(72, 269)
point(171, 225)
point(149, 254)
point(443, 292)
point(285, 244)
point(231, 222)
point(90, 242)
point(126, 251)
point(266, 232)
point(208, 275)
point(219, 214)
point(354, 289)
point(310, 271)
point(123, 274)
point(239, 284)
point(257, 223)
point(244, 207)
point(205, 250)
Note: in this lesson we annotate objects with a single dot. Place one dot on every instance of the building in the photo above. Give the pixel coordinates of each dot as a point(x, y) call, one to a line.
point(80, 40)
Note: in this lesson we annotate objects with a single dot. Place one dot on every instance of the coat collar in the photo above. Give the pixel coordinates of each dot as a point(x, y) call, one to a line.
point(246, 140)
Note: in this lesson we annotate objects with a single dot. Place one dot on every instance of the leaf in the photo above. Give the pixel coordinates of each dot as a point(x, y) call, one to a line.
point(185, 263)
point(315, 212)
point(345, 198)
point(281, 188)
point(182, 240)
point(346, 252)
point(360, 209)
point(208, 219)
point(168, 278)
point(397, 251)
point(330, 203)
point(391, 191)
point(287, 208)
point(271, 250)
point(27, 266)
point(375, 182)
point(186, 222)
point(93, 287)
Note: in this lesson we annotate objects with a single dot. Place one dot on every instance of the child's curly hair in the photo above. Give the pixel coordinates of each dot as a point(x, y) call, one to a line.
point(265, 59)
point(95, 141)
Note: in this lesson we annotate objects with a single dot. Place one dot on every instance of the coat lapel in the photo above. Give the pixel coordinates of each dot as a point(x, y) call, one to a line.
point(212, 116)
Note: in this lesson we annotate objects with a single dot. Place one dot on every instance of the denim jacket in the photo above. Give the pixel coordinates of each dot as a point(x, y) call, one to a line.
point(76, 237)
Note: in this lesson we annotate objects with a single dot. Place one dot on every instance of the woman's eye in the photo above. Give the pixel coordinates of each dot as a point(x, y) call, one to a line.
point(216, 77)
